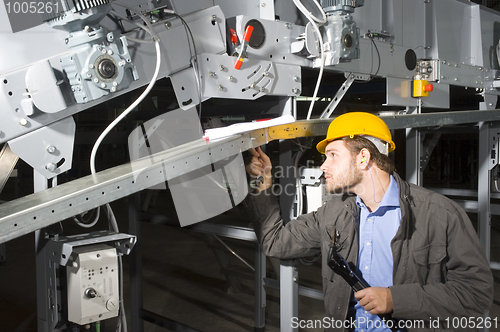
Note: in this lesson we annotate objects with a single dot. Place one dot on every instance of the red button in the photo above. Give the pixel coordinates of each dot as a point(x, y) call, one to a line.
point(428, 87)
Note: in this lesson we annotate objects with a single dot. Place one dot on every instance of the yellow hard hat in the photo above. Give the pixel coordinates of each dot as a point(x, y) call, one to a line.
point(357, 123)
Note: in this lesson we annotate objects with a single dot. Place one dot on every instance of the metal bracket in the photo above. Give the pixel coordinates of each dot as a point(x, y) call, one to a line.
point(64, 246)
point(8, 161)
point(428, 148)
point(49, 150)
point(338, 96)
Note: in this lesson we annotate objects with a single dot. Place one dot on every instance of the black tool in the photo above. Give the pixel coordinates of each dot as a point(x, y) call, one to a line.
point(340, 266)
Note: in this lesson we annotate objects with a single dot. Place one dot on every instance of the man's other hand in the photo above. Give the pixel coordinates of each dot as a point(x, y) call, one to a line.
point(376, 300)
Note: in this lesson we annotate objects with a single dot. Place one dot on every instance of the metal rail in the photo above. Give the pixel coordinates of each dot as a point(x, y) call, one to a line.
point(35, 211)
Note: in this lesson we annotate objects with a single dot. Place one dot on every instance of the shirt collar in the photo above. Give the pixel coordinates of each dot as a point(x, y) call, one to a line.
point(391, 196)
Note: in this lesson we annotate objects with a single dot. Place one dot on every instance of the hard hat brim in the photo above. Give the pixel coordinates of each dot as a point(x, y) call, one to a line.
point(321, 146)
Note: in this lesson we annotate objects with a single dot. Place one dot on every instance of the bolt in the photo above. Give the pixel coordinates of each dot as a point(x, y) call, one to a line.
point(295, 78)
point(51, 149)
point(168, 24)
point(295, 279)
point(212, 74)
point(490, 104)
point(96, 80)
point(220, 87)
point(113, 89)
point(89, 75)
point(23, 121)
point(222, 68)
point(110, 52)
point(262, 90)
point(288, 25)
point(103, 85)
point(252, 85)
point(51, 167)
point(115, 84)
point(91, 66)
point(265, 74)
point(230, 79)
point(456, 79)
point(296, 91)
point(214, 18)
point(263, 5)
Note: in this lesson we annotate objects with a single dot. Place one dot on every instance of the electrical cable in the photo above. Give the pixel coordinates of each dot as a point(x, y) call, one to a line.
point(304, 10)
point(137, 40)
point(194, 61)
point(111, 217)
point(379, 62)
point(312, 20)
point(128, 110)
point(86, 223)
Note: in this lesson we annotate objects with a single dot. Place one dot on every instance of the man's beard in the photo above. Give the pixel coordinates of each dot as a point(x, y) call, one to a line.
point(344, 180)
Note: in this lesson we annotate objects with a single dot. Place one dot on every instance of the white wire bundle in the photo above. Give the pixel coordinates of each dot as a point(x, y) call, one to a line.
point(314, 20)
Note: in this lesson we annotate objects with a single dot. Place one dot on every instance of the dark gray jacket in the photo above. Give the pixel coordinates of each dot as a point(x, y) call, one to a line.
point(440, 269)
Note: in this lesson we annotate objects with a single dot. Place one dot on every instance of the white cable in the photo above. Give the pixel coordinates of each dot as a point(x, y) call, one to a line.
point(151, 31)
point(304, 10)
point(132, 22)
point(91, 224)
point(128, 110)
point(111, 217)
point(311, 19)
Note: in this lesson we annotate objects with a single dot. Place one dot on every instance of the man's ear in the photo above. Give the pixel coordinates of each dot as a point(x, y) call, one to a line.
point(364, 157)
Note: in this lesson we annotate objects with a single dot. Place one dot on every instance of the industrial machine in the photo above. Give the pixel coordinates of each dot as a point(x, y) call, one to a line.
point(297, 58)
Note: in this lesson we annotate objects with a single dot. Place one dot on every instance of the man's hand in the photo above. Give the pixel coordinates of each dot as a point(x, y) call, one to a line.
point(258, 165)
point(376, 300)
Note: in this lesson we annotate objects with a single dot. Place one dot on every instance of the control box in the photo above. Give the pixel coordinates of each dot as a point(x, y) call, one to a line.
point(93, 284)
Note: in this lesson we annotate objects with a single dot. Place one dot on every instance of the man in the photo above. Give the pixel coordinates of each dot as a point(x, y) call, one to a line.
point(416, 248)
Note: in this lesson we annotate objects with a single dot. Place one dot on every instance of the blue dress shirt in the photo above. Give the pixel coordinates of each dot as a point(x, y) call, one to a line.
point(375, 261)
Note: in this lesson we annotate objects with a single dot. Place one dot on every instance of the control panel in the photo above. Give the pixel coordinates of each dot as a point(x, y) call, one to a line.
point(93, 288)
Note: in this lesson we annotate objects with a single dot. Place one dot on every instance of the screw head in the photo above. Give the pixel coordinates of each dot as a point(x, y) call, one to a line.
point(23, 121)
point(51, 149)
point(220, 88)
point(51, 167)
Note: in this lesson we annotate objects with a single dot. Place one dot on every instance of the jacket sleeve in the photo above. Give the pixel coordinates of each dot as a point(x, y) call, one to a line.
point(464, 286)
point(298, 238)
